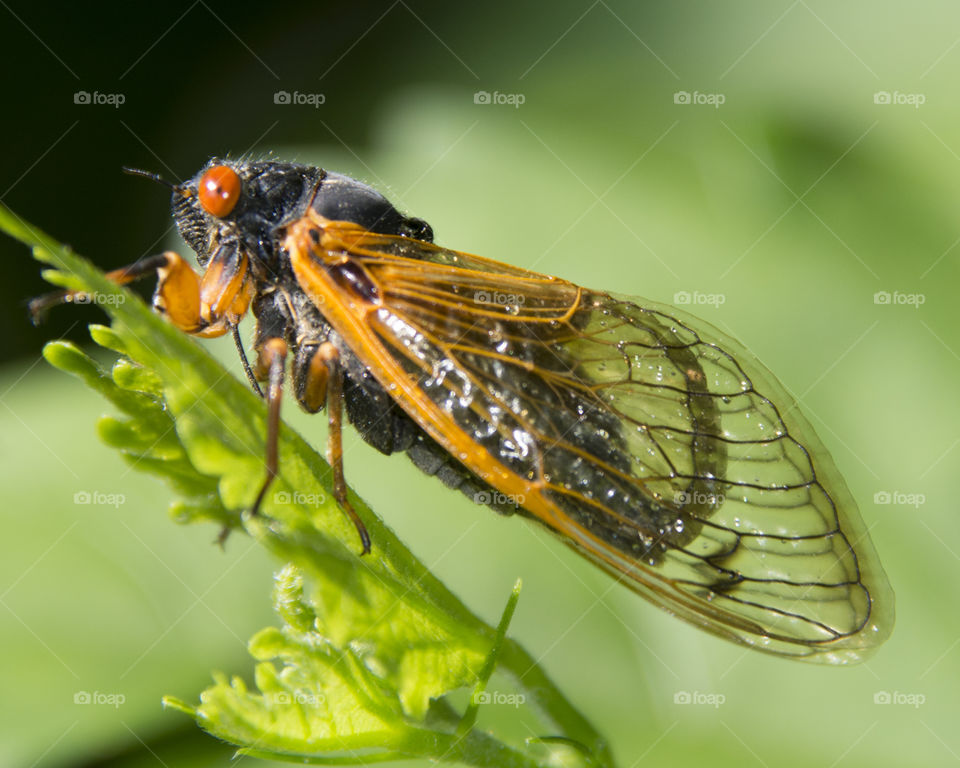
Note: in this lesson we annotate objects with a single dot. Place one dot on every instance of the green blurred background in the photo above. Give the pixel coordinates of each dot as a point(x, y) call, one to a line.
point(783, 211)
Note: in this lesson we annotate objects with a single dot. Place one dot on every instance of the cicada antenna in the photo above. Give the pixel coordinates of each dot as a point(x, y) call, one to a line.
point(157, 178)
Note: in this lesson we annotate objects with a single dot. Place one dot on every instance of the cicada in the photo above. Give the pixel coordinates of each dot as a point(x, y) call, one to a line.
point(650, 442)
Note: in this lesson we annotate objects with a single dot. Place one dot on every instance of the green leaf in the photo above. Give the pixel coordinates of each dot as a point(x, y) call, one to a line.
point(370, 647)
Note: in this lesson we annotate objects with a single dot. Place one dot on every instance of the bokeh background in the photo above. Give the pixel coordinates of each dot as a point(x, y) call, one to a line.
point(792, 168)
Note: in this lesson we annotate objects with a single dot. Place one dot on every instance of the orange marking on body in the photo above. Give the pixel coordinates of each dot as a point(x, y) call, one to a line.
point(221, 284)
point(315, 387)
point(178, 291)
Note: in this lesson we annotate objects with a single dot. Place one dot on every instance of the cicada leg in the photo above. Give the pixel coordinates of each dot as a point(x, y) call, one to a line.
point(271, 363)
point(334, 390)
point(318, 380)
point(209, 306)
point(149, 265)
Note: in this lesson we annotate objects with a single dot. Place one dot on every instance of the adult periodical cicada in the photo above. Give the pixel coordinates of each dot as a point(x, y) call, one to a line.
point(647, 440)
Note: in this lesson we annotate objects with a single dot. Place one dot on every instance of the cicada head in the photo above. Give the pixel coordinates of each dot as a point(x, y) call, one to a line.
point(247, 204)
point(231, 201)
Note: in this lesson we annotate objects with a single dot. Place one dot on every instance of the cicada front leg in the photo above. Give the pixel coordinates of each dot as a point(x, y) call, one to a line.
point(206, 306)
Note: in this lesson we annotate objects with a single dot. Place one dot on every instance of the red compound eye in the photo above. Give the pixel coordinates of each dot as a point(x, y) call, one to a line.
point(219, 190)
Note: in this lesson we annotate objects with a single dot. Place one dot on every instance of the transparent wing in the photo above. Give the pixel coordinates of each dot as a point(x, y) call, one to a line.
point(648, 440)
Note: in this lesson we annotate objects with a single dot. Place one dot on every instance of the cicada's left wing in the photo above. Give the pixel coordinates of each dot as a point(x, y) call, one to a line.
point(648, 440)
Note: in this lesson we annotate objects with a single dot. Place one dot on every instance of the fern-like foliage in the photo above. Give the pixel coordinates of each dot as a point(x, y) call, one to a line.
point(370, 648)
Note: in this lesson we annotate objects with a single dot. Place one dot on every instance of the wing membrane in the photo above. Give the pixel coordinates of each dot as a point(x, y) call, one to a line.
point(648, 440)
